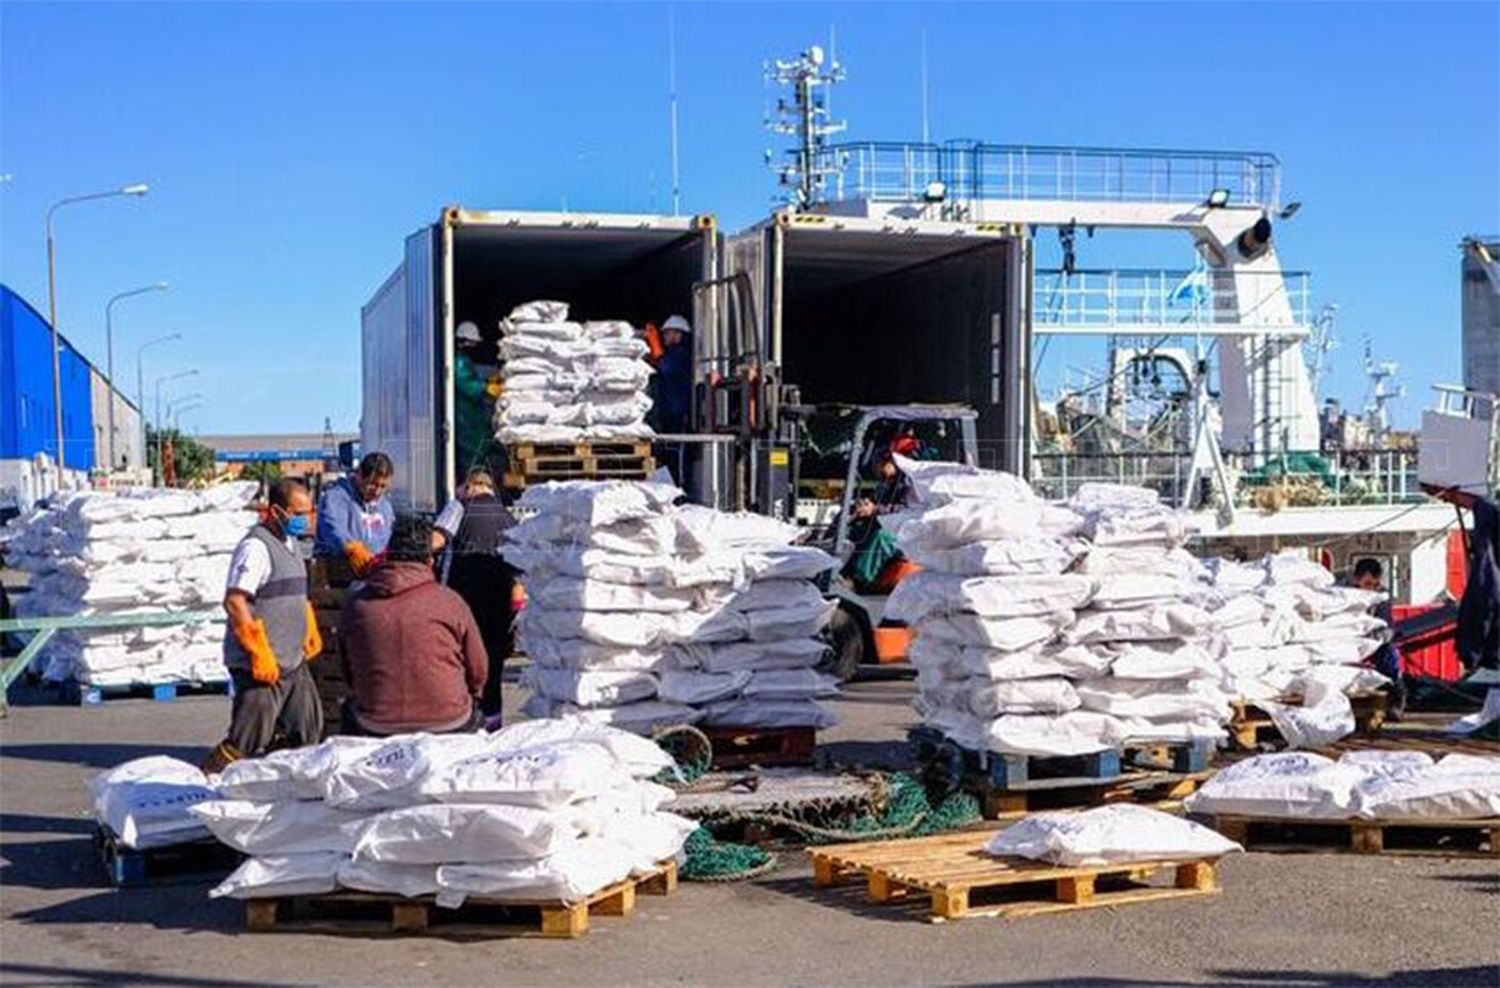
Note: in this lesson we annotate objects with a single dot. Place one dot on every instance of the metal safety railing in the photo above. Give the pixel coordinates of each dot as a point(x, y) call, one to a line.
point(1129, 298)
point(1347, 477)
point(44, 628)
point(972, 171)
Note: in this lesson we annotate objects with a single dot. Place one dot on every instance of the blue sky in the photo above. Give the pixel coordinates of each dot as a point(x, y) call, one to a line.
point(290, 148)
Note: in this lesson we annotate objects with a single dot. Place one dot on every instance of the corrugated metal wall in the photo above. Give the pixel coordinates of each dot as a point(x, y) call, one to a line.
point(1481, 321)
point(27, 424)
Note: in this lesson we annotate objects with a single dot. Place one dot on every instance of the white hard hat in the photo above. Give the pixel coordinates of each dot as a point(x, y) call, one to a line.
point(678, 323)
point(467, 332)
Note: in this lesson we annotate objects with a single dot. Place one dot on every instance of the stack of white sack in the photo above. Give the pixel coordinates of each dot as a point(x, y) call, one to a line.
point(1289, 630)
point(1373, 785)
point(642, 614)
point(135, 551)
point(147, 802)
point(540, 810)
point(565, 381)
point(1030, 638)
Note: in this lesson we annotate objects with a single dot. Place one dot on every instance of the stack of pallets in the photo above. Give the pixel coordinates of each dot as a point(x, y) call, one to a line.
point(1023, 783)
point(537, 463)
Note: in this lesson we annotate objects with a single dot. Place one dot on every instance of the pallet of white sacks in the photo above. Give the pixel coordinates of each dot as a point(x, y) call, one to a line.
point(1417, 837)
point(1251, 728)
point(1145, 773)
point(375, 914)
point(75, 694)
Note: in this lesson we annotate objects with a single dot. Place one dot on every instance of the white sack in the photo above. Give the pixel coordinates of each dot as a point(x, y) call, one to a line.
point(297, 827)
point(441, 832)
point(146, 802)
point(282, 874)
point(1108, 835)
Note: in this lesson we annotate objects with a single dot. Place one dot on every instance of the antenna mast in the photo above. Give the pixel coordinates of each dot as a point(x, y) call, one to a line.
point(810, 76)
point(672, 106)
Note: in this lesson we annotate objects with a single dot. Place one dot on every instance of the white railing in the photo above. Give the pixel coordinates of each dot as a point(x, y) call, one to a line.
point(1151, 298)
point(1348, 477)
point(972, 171)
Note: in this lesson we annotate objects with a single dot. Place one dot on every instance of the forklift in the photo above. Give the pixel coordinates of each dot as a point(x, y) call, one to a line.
point(759, 448)
point(833, 468)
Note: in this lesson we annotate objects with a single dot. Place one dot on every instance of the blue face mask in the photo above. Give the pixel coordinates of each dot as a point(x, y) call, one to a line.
point(295, 526)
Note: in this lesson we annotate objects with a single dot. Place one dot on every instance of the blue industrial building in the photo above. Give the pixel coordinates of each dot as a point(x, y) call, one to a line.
point(27, 412)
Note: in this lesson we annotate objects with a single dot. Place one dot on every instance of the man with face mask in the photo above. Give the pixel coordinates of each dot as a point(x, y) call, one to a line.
point(271, 634)
point(354, 516)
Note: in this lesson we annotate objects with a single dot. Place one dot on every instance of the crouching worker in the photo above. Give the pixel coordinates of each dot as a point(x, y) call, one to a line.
point(416, 658)
point(271, 635)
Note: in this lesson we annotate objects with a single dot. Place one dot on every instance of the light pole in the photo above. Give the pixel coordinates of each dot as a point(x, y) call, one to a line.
point(139, 189)
point(159, 382)
point(175, 405)
point(177, 410)
point(109, 353)
point(140, 381)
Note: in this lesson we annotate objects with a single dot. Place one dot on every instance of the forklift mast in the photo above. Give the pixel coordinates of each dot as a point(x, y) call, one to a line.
point(739, 395)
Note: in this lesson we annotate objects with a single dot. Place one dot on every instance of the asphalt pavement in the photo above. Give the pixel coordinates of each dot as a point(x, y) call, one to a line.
point(1291, 920)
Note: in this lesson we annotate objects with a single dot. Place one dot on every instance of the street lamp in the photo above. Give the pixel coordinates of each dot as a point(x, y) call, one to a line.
point(138, 189)
point(159, 382)
point(140, 380)
point(177, 410)
point(109, 351)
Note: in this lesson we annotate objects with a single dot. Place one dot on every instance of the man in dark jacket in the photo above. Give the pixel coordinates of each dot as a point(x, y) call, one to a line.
point(486, 583)
point(416, 658)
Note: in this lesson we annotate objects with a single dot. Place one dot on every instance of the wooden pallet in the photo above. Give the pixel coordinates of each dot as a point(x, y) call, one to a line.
point(366, 913)
point(87, 695)
point(1019, 783)
point(961, 881)
point(1421, 838)
point(189, 862)
point(1251, 728)
point(740, 747)
point(578, 450)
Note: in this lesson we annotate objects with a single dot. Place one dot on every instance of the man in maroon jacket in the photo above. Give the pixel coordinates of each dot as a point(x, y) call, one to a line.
point(415, 656)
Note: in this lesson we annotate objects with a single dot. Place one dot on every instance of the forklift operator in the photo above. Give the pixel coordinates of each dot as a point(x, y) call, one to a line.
point(893, 492)
point(877, 564)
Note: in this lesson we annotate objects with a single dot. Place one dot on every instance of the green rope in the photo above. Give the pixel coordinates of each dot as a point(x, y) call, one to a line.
point(690, 749)
point(905, 811)
point(708, 859)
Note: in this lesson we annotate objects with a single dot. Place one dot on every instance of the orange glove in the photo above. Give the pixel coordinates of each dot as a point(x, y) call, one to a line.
point(312, 642)
point(263, 666)
point(654, 344)
point(361, 559)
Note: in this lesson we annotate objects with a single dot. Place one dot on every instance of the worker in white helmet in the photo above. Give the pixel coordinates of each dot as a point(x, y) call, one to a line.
point(674, 376)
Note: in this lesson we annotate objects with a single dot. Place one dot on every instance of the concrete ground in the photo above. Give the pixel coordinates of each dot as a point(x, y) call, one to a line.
point(1281, 920)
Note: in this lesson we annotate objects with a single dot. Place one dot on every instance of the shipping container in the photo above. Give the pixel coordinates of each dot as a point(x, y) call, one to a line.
point(27, 410)
point(475, 266)
point(876, 311)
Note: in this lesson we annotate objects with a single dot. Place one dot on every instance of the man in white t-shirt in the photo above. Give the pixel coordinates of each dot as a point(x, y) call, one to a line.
point(272, 633)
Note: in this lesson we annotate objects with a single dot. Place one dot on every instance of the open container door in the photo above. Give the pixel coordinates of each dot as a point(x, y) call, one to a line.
point(399, 354)
point(605, 266)
point(872, 311)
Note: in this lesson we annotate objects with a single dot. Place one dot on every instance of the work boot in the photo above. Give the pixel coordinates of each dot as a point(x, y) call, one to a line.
point(224, 755)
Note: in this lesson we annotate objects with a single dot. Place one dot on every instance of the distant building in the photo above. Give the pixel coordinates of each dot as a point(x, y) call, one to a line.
point(28, 413)
point(299, 454)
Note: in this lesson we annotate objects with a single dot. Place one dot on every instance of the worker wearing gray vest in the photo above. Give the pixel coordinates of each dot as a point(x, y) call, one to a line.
point(272, 634)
